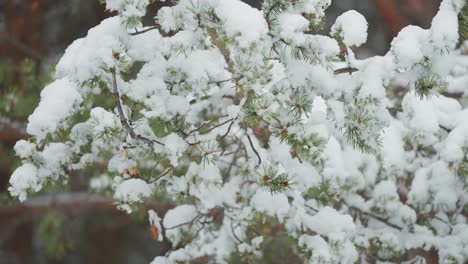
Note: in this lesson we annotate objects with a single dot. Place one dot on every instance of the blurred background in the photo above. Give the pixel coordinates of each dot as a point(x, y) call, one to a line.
point(68, 224)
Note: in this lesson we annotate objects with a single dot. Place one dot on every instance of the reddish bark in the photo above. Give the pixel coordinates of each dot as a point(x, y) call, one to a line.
point(24, 23)
point(393, 18)
point(400, 13)
point(430, 256)
point(102, 204)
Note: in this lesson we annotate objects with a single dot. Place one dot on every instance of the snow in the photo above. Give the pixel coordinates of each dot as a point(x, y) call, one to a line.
point(200, 65)
point(436, 182)
point(166, 19)
point(334, 166)
point(85, 58)
point(316, 7)
point(222, 61)
point(24, 148)
point(175, 219)
point(291, 28)
point(420, 116)
point(274, 204)
point(147, 46)
point(408, 47)
point(389, 241)
point(447, 110)
point(352, 27)
point(323, 47)
point(24, 178)
point(328, 221)
point(131, 191)
point(210, 191)
point(444, 29)
point(59, 100)
point(241, 22)
point(166, 107)
point(101, 182)
point(385, 191)
point(298, 71)
point(101, 121)
point(419, 193)
point(443, 183)
point(452, 148)
point(372, 72)
point(128, 8)
point(175, 147)
point(393, 152)
point(318, 246)
point(156, 222)
point(120, 162)
point(148, 89)
point(54, 158)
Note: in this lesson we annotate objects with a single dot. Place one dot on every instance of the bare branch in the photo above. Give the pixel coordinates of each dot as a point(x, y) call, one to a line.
point(227, 132)
point(253, 148)
point(345, 70)
point(378, 218)
point(158, 27)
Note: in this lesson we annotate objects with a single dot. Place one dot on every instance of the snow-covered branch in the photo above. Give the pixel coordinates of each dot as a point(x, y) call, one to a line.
point(250, 121)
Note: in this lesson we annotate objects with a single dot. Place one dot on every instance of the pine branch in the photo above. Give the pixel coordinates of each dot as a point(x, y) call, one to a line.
point(123, 119)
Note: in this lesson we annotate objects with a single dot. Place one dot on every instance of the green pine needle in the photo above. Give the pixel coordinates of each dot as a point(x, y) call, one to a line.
point(430, 84)
point(274, 181)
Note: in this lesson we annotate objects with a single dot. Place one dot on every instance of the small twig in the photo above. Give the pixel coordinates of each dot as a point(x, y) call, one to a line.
point(158, 27)
point(445, 128)
point(380, 219)
point(227, 132)
point(233, 161)
point(198, 216)
point(253, 148)
point(311, 208)
point(234, 233)
point(443, 221)
point(211, 128)
point(345, 70)
point(244, 148)
point(222, 81)
point(219, 125)
point(198, 128)
point(123, 119)
point(163, 174)
point(193, 143)
point(454, 95)
point(395, 108)
point(205, 132)
point(299, 158)
point(143, 31)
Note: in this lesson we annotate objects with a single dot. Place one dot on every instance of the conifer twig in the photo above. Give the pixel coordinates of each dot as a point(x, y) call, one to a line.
point(123, 119)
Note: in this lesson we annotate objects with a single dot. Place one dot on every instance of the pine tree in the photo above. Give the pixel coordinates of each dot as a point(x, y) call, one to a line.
point(261, 130)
